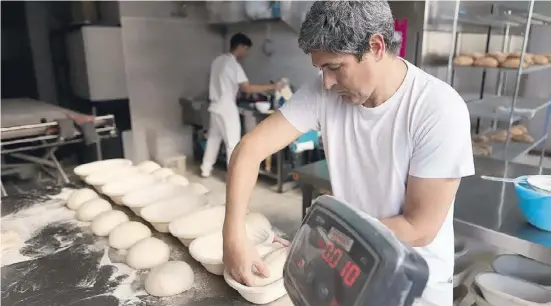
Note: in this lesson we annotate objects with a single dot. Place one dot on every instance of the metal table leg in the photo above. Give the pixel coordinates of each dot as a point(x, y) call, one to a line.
point(280, 178)
point(307, 194)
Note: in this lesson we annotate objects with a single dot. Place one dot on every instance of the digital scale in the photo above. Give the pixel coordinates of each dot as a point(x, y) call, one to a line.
point(343, 257)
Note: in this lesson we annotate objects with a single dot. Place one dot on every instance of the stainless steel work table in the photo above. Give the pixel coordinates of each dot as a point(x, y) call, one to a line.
point(58, 274)
point(485, 210)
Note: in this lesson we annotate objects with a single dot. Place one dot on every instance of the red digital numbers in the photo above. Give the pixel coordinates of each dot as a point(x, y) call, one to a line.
point(332, 255)
point(350, 273)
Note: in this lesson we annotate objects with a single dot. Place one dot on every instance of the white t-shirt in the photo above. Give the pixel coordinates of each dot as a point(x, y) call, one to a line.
point(225, 76)
point(423, 130)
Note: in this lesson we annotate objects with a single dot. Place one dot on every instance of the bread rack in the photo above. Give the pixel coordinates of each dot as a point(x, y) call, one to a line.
point(500, 107)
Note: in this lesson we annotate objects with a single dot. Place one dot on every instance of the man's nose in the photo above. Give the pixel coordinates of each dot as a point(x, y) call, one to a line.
point(328, 80)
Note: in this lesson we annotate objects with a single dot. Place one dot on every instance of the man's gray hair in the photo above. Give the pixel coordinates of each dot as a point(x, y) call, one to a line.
point(347, 26)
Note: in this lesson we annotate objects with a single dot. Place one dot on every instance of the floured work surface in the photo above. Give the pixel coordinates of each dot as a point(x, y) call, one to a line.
point(60, 262)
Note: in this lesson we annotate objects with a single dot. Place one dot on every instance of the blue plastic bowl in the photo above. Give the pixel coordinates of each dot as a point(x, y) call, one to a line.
point(534, 205)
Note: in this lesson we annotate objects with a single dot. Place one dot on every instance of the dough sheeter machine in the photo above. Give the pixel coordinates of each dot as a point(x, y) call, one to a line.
point(342, 257)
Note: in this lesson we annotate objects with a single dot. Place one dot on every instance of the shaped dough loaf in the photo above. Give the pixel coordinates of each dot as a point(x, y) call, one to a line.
point(168, 279)
point(148, 166)
point(274, 262)
point(170, 209)
point(178, 180)
point(78, 197)
point(91, 209)
point(163, 173)
point(147, 253)
point(101, 165)
point(105, 222)
point(198, 223)
point(127, 234)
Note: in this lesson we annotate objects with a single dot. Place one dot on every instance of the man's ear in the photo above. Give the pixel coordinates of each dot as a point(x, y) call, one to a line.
point(377, 46)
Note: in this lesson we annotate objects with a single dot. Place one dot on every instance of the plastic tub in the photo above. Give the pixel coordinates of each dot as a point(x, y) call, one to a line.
point(257, 295)
point(501, 290)
point(262, 107)
point(534, 205)
point(524, 268)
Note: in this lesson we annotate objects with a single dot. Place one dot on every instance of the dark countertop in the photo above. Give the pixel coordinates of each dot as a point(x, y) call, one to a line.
point(59, 274)
point(484, 210)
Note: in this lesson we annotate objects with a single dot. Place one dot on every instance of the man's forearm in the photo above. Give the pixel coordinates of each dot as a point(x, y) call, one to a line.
point(242, 176)
point(406, 231)
point(257, 88)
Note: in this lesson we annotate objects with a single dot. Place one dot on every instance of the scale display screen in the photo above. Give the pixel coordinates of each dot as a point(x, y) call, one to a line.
point(332, 267)
point(341, 257)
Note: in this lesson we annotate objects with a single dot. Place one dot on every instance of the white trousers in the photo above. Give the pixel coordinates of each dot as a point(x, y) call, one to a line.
point(225, 127)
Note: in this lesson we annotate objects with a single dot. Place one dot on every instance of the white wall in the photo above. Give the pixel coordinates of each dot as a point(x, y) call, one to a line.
point(165, 57)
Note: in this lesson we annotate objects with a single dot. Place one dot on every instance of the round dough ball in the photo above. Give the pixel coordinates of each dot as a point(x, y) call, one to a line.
point(486, 61)
point(148, 253)
point(91, 209)
point(274, 261)
point(148, 166)
point(162, 173)
point(126, 234)
point(78, 197)
point(199, 188)
point(105, 222)
point(463, 60)
point(168, 279)
point(178, 180)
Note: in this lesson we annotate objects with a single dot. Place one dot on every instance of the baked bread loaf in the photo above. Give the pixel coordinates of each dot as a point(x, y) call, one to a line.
point(518, 129)
point(523, 138)
point(499, 56)
point(482, 149)
point(486, 61)
point(463, 60)
point(540, 60)
point(500, 136)
point(480, 139)
point(474, 55)
point(513, 62)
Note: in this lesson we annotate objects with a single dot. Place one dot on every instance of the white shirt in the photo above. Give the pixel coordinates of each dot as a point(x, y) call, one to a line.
point(225, 76)
point(423, 130)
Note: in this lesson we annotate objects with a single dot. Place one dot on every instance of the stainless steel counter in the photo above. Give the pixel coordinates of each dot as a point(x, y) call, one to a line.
point(59, 274)
point(484, 210)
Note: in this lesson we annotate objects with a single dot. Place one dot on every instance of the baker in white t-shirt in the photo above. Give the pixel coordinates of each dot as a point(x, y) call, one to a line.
point(397, 140)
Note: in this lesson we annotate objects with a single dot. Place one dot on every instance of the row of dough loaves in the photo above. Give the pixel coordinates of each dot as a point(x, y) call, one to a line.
point(161, 205)
point(500, 59)
point(117, 178)
point(143, 251)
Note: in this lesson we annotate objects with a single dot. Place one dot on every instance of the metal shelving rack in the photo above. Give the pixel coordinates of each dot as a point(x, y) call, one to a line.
point(499, 108)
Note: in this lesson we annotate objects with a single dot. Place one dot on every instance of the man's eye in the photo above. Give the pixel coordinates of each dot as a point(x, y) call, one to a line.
point(333, 67)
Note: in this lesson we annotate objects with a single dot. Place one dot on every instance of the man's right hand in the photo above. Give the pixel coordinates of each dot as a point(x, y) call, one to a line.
point(239, 259)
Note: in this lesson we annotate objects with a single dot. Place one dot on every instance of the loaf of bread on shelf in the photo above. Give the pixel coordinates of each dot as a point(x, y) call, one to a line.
point(548, 57)
point(513, 62)
point(463, 60)
point(499, 56)
point(500, 136)
point(480, 139)
point(540, 59)
point(482, 149)
point(523, 138)
point(474, 55)
point(486, 61)
point(518, 129)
